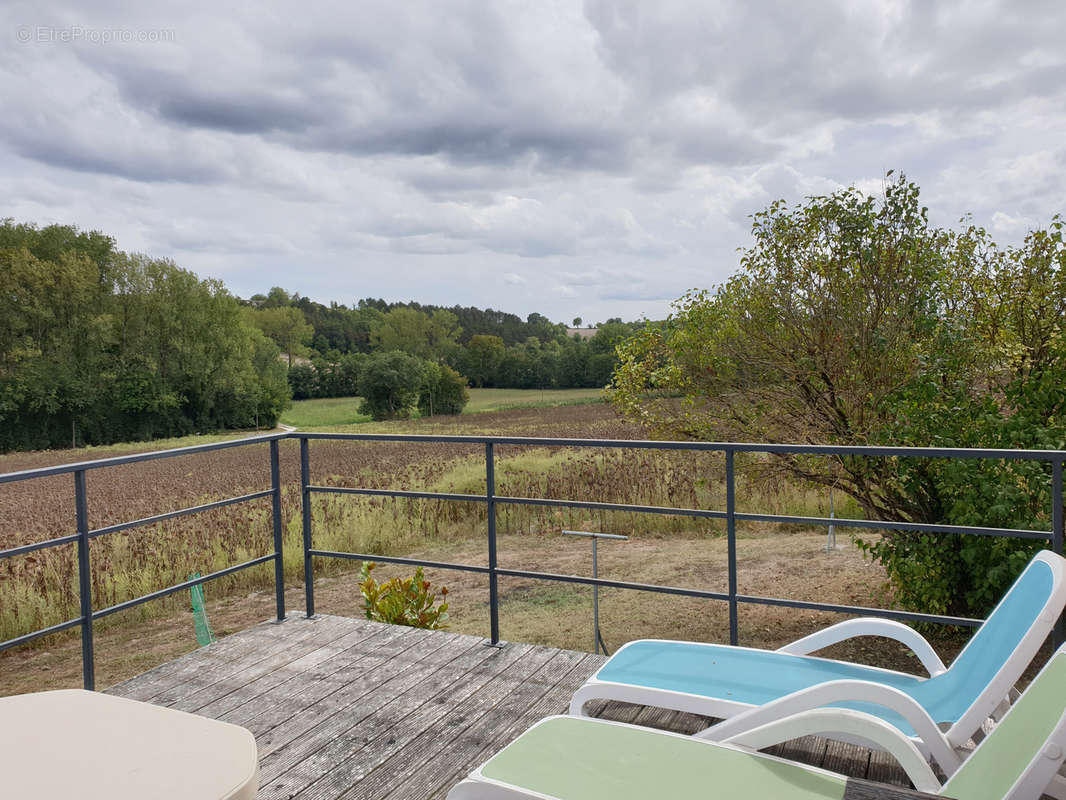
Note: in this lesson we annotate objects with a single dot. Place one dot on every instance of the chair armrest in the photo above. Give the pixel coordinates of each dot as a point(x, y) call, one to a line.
point(828, 721)
point(869, 626)
point(832, 692)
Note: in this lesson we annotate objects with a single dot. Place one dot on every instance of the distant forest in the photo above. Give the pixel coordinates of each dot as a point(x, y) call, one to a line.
point(327, 345)
point(100, 346)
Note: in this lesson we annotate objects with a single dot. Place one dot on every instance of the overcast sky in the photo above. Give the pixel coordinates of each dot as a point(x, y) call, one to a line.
point(588, 159)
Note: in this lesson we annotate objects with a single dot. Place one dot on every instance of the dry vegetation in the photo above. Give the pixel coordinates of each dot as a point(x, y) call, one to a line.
point(41, 588)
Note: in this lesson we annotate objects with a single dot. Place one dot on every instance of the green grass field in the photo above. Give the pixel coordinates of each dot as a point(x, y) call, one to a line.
point(324, 412)
point(332, 411)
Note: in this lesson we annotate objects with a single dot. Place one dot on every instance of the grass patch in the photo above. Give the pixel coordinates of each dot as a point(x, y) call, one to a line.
point(501, 399)
point(333, 411)
point(324, 412)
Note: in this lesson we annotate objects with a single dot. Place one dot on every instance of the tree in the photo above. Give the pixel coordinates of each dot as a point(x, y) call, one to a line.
point(576, 323)
point(852, 321)
point(483, 355)
point(287, 327)
point(390, 384)
point(443, 391)
point(428, 336)
point(98, 346)
point(278, 298)
point(303, 381)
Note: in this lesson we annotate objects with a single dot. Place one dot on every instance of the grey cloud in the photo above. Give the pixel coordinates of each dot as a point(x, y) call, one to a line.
point(56, 150)
point(639, 291)
point(363, 144)
point(481, 142)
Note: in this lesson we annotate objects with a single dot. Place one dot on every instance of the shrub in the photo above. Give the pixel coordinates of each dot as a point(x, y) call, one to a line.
point(443, 392)
point(390, 384)
point(303, 381)
point(403, 601)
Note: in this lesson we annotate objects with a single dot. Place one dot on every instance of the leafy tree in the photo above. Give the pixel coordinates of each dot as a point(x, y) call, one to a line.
point(390, 384)
point(278, 298)
point(303, 381)
point(853, 321)
point(443, 391)
point(576, 323)
point(287, 327)
point(99, 346)
point(482, 357)
point(429, 336)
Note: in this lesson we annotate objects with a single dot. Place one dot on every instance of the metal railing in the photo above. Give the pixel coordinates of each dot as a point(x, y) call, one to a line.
point(84, 535)
point(492, 501)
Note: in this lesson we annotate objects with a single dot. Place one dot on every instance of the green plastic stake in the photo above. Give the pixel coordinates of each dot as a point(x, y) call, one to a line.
point(199, 613)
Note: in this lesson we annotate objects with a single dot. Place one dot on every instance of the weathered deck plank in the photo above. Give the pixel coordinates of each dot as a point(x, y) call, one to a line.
point(346, 708)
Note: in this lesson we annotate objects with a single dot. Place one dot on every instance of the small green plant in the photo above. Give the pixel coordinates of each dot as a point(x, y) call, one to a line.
point(403, 601)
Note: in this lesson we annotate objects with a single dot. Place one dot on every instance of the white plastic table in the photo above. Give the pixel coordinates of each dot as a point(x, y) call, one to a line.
point(78, 745)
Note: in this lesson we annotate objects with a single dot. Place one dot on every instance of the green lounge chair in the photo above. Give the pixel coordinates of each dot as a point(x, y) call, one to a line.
point(576, 758)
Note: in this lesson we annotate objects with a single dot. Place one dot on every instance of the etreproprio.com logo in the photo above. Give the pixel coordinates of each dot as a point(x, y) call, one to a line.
point(48, 34)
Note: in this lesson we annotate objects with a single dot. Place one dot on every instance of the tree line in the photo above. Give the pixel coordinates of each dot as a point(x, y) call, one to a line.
point(328, 346)
point(99, 346)
point(853, 321)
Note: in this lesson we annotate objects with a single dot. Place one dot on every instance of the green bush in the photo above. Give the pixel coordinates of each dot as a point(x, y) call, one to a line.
point(443, 391)
point(403, 601)
point(390, 384)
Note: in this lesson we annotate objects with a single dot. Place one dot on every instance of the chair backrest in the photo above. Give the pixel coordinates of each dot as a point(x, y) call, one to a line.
point(997, 654)
point(1026, 749)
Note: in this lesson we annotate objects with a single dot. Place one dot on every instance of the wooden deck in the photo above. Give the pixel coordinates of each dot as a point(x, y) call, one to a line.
point(346, 708)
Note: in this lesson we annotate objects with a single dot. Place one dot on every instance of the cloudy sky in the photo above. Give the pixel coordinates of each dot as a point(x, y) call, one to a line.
point(590, 159)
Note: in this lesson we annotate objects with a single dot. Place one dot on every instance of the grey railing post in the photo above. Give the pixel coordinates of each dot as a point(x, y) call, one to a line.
point(275, 502)
point(490, 497)
point(1056, 534)
point(305, 507)
point(731, 539)
point(85, 587)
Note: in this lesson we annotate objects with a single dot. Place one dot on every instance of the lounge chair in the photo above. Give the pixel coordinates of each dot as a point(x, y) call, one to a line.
point(748, 687)
point(573, 758)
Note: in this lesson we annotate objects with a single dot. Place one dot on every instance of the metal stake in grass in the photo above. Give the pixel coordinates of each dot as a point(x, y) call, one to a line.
point(831, 535)
point(596, 639)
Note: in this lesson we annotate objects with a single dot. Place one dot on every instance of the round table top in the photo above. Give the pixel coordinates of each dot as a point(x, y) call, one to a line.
point(91, 746)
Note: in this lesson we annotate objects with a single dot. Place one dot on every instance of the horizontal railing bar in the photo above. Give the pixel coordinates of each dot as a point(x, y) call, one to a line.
point(476, 498)
point(600, 506)
point(821, 522)
point(532, 441)
point(122, 526)
point(736, 447)
point(29, 637)
point(611, 584)
point(921, 527)
point(865, 611)
point(63, 469)
point(29, 548)
point(660, 589)
point(103, 612)
point(770, 601)
point(412, 562)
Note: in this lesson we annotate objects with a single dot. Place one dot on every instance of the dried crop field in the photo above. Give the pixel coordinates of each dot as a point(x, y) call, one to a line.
point(41, 588)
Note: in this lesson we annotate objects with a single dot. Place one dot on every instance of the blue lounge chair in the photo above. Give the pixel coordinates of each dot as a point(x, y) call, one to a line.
point(571, 758)
point(750, 687)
